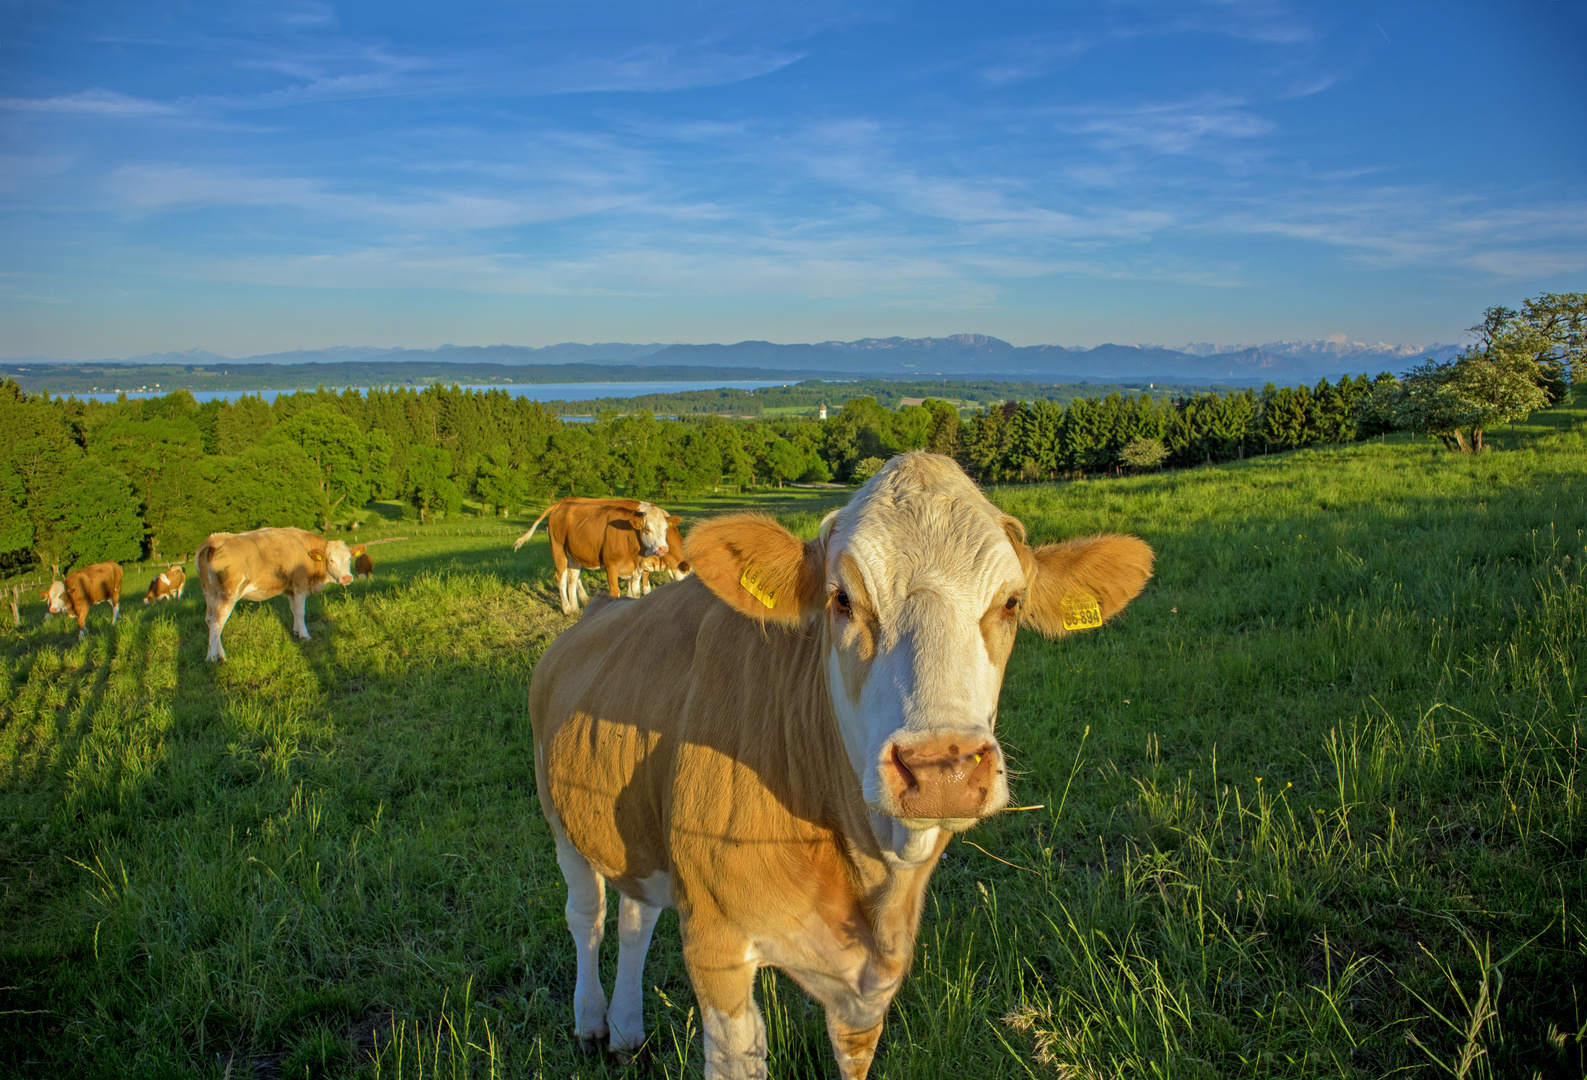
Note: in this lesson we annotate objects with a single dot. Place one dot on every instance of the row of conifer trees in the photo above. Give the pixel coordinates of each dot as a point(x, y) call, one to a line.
point(82, 481)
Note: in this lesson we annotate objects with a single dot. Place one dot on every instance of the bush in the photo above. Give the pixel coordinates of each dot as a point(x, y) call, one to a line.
point(865, 468)
point(1140, 455)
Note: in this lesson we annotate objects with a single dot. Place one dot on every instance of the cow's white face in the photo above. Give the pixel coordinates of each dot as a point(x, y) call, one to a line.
point(923, 587)
point(56, 595)
point(650, 522)
point(921, 583)
point(339, 562)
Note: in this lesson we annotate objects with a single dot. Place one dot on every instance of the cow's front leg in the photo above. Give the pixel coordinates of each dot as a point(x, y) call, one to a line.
point(300, 609)
point(578, 585)
point(636, 921)
point(853, 1047)
point(724, 984)
point(115, 612)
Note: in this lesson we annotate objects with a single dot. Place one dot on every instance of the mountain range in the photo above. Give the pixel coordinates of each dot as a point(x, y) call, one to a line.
point(957, 355)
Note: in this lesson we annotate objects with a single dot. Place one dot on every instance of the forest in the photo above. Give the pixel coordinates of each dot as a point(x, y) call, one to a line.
point(87, 480)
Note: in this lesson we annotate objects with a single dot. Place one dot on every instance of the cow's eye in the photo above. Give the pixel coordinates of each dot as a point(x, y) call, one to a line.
point(1013, 603)
point(840, 601)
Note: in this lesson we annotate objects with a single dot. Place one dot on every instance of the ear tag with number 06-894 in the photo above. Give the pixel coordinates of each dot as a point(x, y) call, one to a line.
point(1081, 613)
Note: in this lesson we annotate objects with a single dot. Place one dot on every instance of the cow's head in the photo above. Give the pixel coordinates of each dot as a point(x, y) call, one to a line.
point(56, 595)
point(921, 583)
point(650, 522)
point(677, 566)
point(339, 561)
point(154, 587)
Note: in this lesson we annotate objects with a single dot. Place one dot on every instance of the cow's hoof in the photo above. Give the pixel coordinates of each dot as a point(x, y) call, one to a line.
point(592, 1042)
point(632, 1055)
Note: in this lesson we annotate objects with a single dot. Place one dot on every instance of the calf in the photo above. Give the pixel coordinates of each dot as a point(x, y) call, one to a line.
point(166, 584)
point(365, 566)
point(782, 745)
point(672, 562)
point(612, 534)
point(264, 563)
point(82, 589)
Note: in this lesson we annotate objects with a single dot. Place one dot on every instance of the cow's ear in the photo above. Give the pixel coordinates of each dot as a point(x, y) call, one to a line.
point(674, 519)
point(317, 555)
point(1080, 584)
point(357, 551)
point(758, 567)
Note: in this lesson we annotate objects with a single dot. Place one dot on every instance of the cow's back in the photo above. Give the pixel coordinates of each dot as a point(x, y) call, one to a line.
point(96, 584)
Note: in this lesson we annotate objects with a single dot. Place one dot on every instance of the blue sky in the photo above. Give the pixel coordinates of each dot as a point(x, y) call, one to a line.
point(247, 177)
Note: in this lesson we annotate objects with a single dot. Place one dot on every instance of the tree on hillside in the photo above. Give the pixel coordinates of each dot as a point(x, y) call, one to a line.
point(499, 483)
point(351, 465)
point(160, 457)
point(1549, 332)
point(271, 484)
point(1449, 398)
point(429, 483)
point(575, 461)
point(242, 423)
point(946, 429)
point(92, 516)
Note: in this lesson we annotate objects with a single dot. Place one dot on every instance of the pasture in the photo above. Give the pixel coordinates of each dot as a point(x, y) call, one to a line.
point(1311, 808)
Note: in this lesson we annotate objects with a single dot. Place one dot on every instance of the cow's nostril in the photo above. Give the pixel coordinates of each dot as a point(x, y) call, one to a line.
point(904, 771)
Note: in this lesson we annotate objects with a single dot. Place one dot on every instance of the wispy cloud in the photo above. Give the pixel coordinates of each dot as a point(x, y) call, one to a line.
point(1391, 227)
point(149, 188)
point(90, 103)
point(1173, 127)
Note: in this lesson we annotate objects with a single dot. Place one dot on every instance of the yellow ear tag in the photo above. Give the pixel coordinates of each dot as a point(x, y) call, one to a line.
point(1081, 613)
point(317, 556)
point(752, 586)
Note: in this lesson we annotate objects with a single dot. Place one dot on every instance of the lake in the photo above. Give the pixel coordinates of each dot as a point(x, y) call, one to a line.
point(532, 391)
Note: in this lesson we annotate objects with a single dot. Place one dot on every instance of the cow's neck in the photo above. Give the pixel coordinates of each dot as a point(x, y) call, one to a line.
point(890, 864)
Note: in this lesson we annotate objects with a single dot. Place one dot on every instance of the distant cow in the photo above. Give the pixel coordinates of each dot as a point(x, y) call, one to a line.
point(782, 746)
point(166, 585)
point(672, 562)
point(264, 563)
point(82, 589)
point(612, 534)
point(365, 566)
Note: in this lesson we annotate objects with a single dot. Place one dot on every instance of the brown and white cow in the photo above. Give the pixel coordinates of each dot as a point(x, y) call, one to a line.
point(365, 566)
point(612, 534)
point(673, 563)
point(782, 745)
point(82, 589)
point(264, 563)
point(167, 584)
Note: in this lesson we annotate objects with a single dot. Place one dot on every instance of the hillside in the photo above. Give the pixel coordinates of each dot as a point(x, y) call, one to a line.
point(1320, 781)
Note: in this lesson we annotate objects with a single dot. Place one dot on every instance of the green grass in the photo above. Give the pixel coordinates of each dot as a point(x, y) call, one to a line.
point(1321, 785)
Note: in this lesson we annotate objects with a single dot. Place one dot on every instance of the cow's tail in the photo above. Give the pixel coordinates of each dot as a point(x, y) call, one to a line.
point(201, 558)
point(524, 539)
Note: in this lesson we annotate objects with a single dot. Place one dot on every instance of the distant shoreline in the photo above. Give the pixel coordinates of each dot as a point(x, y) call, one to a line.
point(82, 379)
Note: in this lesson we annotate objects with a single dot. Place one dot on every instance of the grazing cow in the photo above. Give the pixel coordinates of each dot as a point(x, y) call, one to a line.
point(365, 566)
point(264, 563)
point(612, 534)
point(782, 745)
point(166, 584)
point(82, 589)
point(672, 562)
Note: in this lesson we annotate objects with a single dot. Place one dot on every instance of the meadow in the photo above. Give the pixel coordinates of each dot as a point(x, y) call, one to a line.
point(1311, 808)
